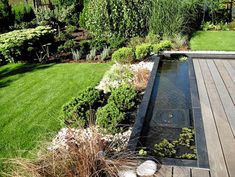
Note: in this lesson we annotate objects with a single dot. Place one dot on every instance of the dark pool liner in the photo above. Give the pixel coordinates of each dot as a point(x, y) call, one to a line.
point(145, 112)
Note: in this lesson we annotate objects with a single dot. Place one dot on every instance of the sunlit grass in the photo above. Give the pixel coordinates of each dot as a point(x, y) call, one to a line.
point(31, 97)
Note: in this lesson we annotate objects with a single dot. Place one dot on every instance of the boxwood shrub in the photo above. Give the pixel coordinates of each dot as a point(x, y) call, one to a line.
point(123, 55)
point(163, 45)
point(108, 117)
point(120, 103)
point(15, 45)
point(142, 51)
point(124, 97)
point(77, 111)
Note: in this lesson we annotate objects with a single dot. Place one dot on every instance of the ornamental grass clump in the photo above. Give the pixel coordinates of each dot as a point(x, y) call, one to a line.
point(89, 156)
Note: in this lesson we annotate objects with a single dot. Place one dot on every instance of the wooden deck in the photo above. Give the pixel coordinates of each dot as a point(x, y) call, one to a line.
point(216, 86)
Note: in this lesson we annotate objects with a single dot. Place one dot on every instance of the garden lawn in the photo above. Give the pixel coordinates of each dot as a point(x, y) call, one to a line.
point(213, 40)
point(31, 97)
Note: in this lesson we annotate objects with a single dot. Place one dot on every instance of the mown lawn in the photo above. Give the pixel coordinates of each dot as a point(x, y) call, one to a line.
point(31, 97)
point(213, 40)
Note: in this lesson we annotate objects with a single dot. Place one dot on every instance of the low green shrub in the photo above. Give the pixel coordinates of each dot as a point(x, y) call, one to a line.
point(108, 117)
point(77, 112)
point(163, 45)
point(14, 45)
point(231, 25)
point(143, 51)
point(23, 13)
point(125, 98)
point(123, 55)
point(209, 26)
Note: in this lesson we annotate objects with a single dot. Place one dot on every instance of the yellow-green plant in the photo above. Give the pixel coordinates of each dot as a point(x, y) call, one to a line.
point(143, 51)
point(15, 44)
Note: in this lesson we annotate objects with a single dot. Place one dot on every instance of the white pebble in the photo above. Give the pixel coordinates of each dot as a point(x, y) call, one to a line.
point(148, 168)
point(127, 173)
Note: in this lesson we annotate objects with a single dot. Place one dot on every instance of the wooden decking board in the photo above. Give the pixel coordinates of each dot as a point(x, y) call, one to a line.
point(181, 172)
point(216, 159)
point(226, 78)
point(224, 95)
point(230, 70)
point(200, 173)
point(232, 63)
point(223, 127)
point(165, 171)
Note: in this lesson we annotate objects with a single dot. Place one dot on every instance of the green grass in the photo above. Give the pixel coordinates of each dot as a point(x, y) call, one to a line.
point(213, 40)
point(31, 97)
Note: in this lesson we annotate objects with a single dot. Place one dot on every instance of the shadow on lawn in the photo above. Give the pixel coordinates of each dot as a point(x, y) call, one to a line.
point(19, 70)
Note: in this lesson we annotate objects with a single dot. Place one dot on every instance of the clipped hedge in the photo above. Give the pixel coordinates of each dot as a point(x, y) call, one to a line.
point(163, 45)
point(120, 103)
point(124, 97)
point(15, 45)
point(143, 51)
point(108, 117)
point(123, 55)
point(77, 112)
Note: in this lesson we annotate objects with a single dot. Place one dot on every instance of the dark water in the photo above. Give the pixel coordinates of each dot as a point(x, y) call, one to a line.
point(172, 106)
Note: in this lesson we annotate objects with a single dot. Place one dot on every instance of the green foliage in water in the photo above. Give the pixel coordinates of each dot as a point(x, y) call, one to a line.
point(143, 152)
point(167, 148)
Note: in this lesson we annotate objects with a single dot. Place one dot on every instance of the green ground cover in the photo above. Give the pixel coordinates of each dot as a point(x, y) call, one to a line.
point(31, 97)
point(213, 40)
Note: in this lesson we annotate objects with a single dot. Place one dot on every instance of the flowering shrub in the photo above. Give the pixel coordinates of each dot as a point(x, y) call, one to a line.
point(16, 44)
point(117, 76)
